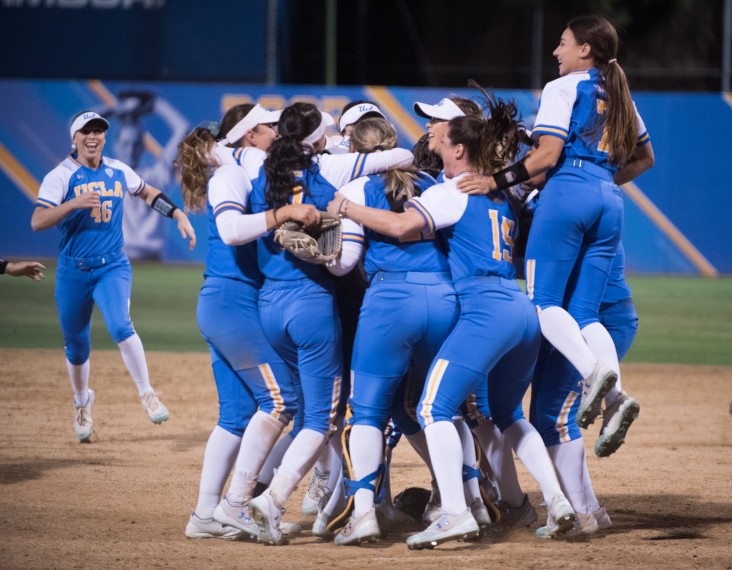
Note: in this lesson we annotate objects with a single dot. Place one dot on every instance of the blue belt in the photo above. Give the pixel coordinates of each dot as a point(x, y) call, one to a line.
point(418, 277)
point(590, 167)
point(88, 263)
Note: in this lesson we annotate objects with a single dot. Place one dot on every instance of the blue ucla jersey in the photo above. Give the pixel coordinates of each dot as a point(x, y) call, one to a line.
point(479, 231)
point(96, 231)
point(275, 262)
point(228, 190)
point(570, 108)
point(420, 252)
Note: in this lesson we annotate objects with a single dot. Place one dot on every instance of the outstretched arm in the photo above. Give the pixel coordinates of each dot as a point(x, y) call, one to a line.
point(541, 159)
point(160, 202)
point(392, 224)
point(32, 269)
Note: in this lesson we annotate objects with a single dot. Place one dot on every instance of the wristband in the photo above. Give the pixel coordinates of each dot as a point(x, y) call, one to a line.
point(162, 204)
point(3, 265)
point(274, 215)
point(343, 208)
point(514, 174)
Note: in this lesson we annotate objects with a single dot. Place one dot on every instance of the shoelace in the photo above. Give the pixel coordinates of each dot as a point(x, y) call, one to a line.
point(81, 416)
point(152, 401)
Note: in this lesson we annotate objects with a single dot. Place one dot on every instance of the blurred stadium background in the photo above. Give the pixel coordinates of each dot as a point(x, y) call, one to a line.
point(159, 67)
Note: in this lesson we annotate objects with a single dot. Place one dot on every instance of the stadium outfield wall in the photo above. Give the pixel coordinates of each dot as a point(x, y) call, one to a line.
point(677, 215)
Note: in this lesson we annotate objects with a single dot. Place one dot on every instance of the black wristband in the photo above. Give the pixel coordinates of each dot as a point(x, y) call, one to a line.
point(514, 174)
point(162, 204)
point(3, 265)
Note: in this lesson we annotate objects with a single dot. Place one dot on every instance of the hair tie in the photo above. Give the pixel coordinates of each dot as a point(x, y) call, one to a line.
point(613, 60)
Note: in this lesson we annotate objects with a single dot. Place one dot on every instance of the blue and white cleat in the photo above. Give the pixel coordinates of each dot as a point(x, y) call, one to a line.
point(616, 421)
point(594, 389)
point(446, 528)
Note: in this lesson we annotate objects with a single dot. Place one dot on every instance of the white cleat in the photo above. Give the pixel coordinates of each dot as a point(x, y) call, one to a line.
point(156, 410)
point(289, 529)
point(602, 518)
point(83, 422)
point(447, 527)
point(560, 516)
point(594, 389)
point(584, 527)
point(236, 516)
point(210, 528)
point(316, 491)
point(362, 529)
point(320, 525)
point(268, 517)
point(616, 421)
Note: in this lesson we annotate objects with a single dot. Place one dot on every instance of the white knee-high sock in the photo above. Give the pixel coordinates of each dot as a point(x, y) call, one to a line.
point(500, 457)
point(592, 500)
point(259, 439)
point(367, 451)
point(419, 444)
point(560, 329)
point(218, 460)
point(444, 445)
point(134, 358)
point(298, 460)
point(79, 376)
point(529, 448)
point(601, 344)
point(471, 487)
point(569, 460)
point(275, 458)
point(334, 449)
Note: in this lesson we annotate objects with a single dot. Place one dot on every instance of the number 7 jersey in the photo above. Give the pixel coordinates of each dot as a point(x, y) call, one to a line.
point(96, 231)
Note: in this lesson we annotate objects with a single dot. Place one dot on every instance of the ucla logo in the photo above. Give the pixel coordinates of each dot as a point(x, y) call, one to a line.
point(88, 116)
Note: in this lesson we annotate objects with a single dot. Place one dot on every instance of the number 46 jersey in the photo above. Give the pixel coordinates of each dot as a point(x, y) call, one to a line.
point(96, 231)
point(479, 230)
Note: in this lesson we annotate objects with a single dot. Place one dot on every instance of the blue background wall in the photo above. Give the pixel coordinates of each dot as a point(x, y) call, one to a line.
point(688, 185)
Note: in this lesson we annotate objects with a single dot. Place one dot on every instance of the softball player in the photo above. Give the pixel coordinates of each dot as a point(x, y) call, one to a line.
point(83, 196)
point(591, 138)
point(497, 331)
point(253, 384)
point(410, 271)
point(555, 401)
point(349, 292)
point(296, 302)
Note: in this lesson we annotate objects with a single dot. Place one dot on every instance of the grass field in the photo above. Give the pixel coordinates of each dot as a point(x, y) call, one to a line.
point(683, 320)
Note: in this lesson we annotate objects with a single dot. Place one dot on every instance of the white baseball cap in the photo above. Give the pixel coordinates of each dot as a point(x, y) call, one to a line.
point(446, 109)
point(84, 119)
point(356, 112)
point(257, 116)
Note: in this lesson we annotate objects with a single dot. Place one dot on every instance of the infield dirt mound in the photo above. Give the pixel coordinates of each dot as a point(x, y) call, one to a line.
point(124, 500)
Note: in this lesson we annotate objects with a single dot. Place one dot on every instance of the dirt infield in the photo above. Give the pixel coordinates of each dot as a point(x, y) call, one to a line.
point(124, 500)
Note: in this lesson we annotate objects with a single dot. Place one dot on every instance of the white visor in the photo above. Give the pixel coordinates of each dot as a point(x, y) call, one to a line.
point(257, 116)
point(445, 110)
point(325, 121)
point(356, 112)
point(85, 118)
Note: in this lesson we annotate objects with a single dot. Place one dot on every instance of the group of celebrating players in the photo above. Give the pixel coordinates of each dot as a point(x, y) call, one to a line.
point(421, 305)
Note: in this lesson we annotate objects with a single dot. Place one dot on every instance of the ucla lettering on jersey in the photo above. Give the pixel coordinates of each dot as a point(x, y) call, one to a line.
point(96, 231)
